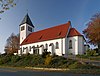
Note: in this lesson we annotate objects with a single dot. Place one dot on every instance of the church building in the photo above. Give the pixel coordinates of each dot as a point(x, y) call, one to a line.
point(60, 40)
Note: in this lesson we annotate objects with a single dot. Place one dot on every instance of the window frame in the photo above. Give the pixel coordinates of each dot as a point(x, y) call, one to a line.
point(70, 44)
point(29, 28)
point(46, 46)
point(30, 48)
point(22, 28)
point(57, 45)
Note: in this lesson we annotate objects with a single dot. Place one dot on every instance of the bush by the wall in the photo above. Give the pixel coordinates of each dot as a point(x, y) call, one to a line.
point(39, 61)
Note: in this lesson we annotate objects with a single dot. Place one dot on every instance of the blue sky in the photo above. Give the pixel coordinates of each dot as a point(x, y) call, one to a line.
point(47, 13)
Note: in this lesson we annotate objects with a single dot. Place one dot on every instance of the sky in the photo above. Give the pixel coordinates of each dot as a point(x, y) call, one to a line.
point(47, 13)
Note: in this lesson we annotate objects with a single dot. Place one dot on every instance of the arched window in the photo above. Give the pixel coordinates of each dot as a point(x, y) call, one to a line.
point(51, 44)
point(46, 46)
point(33, 47)
point(57, 45)
point(29, 48)
point(26, 49)
point(70, 44)
point(21, 49)
point(37, 46)
point(41, 45)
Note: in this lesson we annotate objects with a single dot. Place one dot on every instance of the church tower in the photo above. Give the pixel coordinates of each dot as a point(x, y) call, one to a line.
point(26, 27)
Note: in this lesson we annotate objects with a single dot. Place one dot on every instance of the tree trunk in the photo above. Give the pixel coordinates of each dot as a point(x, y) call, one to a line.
point(99, 48)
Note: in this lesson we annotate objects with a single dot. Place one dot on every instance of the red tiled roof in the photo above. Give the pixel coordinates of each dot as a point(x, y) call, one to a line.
point(73, 32)
point(48, 34)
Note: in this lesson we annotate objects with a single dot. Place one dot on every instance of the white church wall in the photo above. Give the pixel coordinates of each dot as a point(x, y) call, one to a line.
point(22, 33)
point(81, 45)
point(74, 49)
point(19, 52)
point(40, 50)
point(28, 32)
point(63, 46)
point(66, 46)
point(66, 42)
point(77, 45)
point(51, 49)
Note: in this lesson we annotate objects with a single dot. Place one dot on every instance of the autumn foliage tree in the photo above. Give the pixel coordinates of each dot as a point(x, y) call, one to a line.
point(92, 32)
point(12, 44)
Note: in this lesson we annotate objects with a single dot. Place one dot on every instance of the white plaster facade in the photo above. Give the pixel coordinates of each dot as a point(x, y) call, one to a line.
point(63, 46)
point(77, 45)
point(25, 32)
point(51, 47)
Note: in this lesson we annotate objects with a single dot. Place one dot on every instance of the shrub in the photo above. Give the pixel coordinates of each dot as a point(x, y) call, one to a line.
point(91, 53)
point(1, 62)
point(82, 56)
point(48, 60)
point(6, 59)
point(58, 62)
point(15, 59)
point(75, 65)
point(37, 60)
point(45, 54)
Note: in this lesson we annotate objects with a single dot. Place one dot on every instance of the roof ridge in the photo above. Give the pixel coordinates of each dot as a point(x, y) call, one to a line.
point(54, 26)
point(51, 33)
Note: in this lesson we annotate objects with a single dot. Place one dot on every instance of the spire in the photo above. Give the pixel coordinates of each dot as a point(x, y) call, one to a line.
point(27, 20)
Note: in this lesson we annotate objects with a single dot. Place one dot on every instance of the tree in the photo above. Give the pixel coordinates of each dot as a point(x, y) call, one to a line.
point(12, 44)
point(6, 5)
point(92, 32)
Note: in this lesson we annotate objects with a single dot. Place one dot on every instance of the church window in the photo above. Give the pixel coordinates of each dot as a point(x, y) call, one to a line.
point(37, 46)
point(22, 28)
point(21, 49)
point(57, 45)
point(24, 49)
point(41, 45)
point(51, 44)
point(70, 44)
point(29, 29)
point(30, 48)
point(33, 47)
point(46, 45)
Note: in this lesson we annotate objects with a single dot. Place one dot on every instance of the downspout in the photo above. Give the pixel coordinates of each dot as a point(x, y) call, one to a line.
point(78, 47)
point(62, 45)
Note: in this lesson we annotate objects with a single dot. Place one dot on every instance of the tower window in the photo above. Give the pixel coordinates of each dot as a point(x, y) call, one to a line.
point(29, 29)
point(70, 44)
point(22, 28)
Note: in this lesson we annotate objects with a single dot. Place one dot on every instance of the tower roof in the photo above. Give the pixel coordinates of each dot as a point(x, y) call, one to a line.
point(27, 20)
